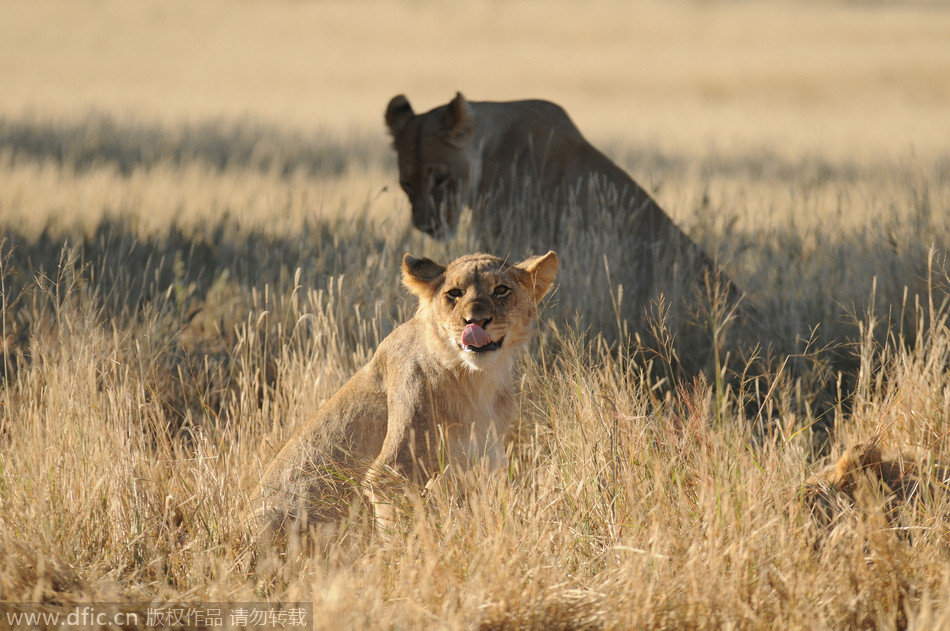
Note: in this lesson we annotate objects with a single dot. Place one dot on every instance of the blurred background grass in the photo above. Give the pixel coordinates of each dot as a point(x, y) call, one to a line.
point(854, 80)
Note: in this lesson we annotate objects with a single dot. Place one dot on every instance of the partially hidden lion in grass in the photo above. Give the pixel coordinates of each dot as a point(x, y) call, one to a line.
point(437, 395)
point(864, 482)
point(524, 168)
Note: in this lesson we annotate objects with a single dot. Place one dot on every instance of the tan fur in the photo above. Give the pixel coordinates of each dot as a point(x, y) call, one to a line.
point(523, 165)
point(862, 480)
point(422, 404)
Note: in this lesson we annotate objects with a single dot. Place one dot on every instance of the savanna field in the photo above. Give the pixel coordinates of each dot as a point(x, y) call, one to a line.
point(200, 237)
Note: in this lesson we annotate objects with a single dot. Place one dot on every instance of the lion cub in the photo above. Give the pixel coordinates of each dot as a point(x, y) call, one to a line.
point(863, 480)
point(438, 393)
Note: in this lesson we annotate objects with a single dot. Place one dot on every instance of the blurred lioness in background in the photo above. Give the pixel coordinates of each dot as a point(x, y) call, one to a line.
point(533, 182)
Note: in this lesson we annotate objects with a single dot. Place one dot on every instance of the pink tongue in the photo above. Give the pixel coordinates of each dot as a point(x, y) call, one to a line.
point(475, 336)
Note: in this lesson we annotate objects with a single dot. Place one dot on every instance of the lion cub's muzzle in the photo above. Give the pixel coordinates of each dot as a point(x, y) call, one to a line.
point(475, 339)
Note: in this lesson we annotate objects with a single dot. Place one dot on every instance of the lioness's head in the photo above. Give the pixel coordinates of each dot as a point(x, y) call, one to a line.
point(436, 167)
point(479, 307)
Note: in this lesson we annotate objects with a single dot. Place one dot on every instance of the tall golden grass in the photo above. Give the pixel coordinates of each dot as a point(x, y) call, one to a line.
point(169, 319)
point(200, 235)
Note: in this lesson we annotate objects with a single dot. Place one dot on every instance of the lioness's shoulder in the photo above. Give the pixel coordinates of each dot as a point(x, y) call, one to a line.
point(540, 107)
point(535, 111)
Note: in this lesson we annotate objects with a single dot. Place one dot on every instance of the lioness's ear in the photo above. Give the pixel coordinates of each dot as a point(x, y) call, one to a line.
point(398, 113)
point(421, 276)
point(459, 120)
point(539, 274)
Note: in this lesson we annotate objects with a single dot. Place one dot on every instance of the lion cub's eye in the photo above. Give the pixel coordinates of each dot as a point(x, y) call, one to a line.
point(502, 290)
point(454, 294)
point(440, 180)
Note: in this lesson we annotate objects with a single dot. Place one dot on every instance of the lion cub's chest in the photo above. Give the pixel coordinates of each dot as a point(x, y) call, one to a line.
point(450, 414)
point(474, 424)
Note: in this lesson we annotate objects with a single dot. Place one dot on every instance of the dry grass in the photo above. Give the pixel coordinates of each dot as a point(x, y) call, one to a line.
point(169, 329)
point(179, 294)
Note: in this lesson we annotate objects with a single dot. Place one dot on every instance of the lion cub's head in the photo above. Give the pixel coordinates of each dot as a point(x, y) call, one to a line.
point(436, 169)
point(478, 308)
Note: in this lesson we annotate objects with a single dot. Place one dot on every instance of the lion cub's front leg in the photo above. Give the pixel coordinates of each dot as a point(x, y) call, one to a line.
point(400, 461)
point(430, 457)
point(383, 481)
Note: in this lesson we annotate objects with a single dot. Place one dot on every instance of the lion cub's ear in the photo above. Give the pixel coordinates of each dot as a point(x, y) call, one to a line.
point(421, 276)
point(459, 121)
point(538, 274)
point(398, 113)
point(863, 457)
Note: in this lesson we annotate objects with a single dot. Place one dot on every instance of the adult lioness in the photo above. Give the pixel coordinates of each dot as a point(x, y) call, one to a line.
point(439, 392)
point(533, 182)
point(522, 165)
